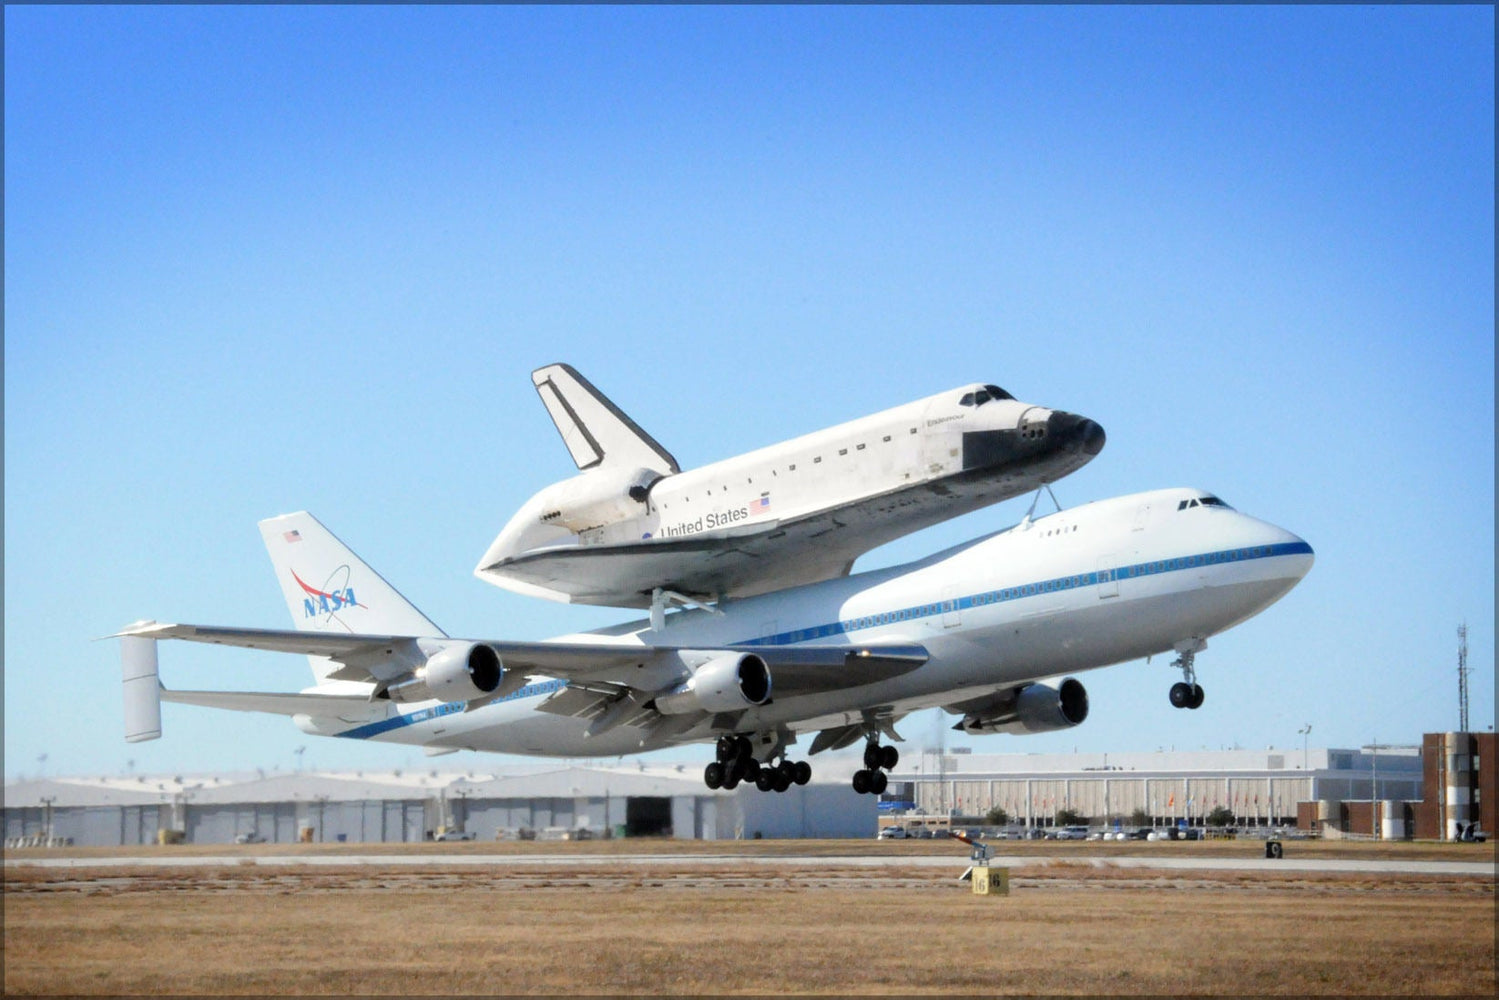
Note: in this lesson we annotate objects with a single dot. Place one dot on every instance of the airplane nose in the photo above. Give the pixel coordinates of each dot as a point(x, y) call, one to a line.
point(1077, 432)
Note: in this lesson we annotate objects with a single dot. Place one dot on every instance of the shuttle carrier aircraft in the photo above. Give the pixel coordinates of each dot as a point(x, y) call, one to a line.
point(633, 530)
point(985, 630)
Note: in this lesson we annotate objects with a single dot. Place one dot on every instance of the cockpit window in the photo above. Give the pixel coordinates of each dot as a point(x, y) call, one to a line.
point(983, 395)
point(1202, 502)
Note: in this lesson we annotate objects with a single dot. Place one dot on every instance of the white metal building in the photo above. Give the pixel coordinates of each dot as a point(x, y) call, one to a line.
point(540, 800)
point(1256, 785)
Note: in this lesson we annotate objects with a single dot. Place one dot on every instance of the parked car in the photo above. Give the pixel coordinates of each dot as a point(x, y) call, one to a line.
point(893, 833)
point(249, 838)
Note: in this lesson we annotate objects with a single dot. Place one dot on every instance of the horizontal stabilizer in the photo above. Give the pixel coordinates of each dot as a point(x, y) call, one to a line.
point(350, 707)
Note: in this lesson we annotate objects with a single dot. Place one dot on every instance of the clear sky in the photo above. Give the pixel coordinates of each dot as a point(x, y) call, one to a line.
point(262, 259)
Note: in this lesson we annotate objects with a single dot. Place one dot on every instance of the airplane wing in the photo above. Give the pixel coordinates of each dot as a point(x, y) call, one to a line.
point(596, 672)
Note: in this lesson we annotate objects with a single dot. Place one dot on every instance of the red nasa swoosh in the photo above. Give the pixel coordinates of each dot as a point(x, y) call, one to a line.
point(318, 593)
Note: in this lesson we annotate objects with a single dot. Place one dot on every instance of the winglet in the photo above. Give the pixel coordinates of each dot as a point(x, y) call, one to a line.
point(597, 433)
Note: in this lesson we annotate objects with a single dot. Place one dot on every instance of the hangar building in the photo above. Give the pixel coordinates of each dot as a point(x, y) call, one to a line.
point(541, 801)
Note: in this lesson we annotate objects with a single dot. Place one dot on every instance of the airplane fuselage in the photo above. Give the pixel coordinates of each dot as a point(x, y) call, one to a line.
point(1099, 584)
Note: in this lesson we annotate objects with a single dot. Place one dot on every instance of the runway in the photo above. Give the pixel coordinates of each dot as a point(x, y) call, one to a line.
point(958, 862)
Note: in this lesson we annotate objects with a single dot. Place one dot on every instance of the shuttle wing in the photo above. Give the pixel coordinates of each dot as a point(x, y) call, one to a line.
point(742, 561)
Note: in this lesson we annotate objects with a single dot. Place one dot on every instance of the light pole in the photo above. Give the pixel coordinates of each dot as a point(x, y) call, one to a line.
point(1304, 731)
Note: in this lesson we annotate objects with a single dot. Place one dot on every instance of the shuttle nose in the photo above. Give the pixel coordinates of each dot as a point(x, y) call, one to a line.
point(1076, 432)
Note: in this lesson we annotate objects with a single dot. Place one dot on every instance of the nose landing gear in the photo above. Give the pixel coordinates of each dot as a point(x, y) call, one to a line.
point(1187, 693)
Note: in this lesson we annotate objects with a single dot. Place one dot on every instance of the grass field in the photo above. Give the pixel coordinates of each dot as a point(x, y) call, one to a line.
point(1076, 925)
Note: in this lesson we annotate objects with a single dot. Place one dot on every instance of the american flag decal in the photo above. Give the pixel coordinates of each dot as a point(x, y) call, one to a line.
point(760, 506)
point(292, 536)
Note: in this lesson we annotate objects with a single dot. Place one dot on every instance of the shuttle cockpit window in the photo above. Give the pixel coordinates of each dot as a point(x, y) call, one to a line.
point(982, 395)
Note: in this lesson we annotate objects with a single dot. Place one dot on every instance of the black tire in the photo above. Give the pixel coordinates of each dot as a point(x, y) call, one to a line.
point(713, 775)
point(743, 747)
point(736, 770)
point(871, 756)
point(861, 782)
point(781, 781)
point(879, 783)
point(731, 781)
point(889, 757)
point(727, 748)
point(1197, 697)
point(803, 772)
point(752, 769)
point(765, 780)
point(787, 768)
point(1181, 694)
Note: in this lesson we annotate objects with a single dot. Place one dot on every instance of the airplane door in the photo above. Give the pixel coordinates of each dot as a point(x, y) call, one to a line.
point(950, 616)
point(1108, 577)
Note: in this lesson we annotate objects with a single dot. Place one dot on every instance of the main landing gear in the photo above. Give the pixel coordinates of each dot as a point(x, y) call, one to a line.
point(872, 780)
point(1187, 693)
point(736, 762)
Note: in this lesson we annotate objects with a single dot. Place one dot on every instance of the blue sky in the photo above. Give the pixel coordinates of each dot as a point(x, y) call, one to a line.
point(262, 259)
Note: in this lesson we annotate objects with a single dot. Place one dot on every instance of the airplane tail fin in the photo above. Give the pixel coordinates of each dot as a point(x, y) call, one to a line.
point(597, 433)
point(330, 589)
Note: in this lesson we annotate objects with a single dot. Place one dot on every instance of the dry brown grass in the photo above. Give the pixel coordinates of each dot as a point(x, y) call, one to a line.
point(748, 928)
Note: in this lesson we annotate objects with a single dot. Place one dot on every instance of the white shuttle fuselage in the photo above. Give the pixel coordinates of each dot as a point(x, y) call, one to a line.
point(790, 514)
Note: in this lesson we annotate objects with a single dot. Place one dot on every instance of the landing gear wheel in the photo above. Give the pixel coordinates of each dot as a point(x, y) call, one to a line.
point(889, 757)
point(713, 775)
point(766, 779)
point(752, 769)
point(879, 783)
point(1197, 697)
point(781, 780)
point(1181, 695)
point(862, 781)
point(744, 747)
point(787, 768)
point(731, 781)
point(727, 748)
point(871, 756)
point(803, 772)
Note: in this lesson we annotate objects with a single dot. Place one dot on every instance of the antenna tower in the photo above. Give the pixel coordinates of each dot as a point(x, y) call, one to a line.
point(1462, 677)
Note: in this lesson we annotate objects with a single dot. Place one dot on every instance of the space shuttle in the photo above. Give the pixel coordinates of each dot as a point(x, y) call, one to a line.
point(633, 529)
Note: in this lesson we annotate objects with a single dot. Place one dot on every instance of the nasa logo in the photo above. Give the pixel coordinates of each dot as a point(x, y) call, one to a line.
point(335, 596)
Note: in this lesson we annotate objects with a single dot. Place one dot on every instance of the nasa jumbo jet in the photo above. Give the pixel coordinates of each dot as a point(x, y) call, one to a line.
point(983, 630)
point(634, 530)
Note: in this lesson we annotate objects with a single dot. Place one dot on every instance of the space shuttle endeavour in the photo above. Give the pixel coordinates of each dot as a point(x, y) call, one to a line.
point(632, 526)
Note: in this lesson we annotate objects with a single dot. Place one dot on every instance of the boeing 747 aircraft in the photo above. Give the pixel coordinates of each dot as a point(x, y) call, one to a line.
point(985, 630)
point(634, 530)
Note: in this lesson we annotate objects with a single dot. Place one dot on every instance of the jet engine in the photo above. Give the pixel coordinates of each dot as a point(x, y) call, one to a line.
point(727, 683)
point(460, 671)
point(1035, 708)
